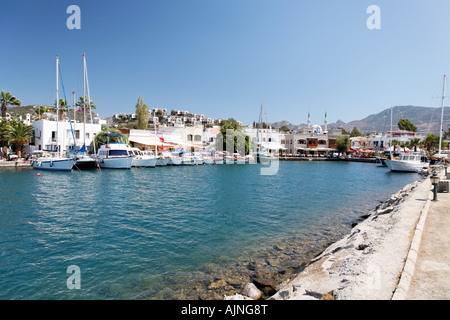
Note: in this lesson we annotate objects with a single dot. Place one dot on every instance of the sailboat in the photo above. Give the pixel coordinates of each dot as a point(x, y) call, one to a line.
point(83, 160)
point(406, 162)
point(262, 155)
point(55, 160)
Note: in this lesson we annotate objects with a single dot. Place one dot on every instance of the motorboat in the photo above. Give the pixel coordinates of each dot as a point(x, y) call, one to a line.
point(207, 159)
point(85, 162)
point(114, 156)
point(162, 160)
point(408, 162)
point(142, 159)
point(198, 158)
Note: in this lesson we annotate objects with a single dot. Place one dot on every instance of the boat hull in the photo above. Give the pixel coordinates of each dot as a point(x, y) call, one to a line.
point(208, 161)
point(162, 162)
point(116, 163)
point(86, 164)
point(175, 161)
point(54, 164)
point(144, 163)
point(405, 166)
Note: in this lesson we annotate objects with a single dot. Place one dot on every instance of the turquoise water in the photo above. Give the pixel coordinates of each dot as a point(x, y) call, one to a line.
point(128, 229)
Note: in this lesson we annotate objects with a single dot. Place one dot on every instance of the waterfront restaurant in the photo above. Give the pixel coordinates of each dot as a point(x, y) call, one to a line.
point(311, 141)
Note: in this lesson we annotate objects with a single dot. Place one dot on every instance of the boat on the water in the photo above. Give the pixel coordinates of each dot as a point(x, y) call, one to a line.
point(114, 155)
point(53, 159)
point(408, 162)
point(142, 159)
point(56, 163)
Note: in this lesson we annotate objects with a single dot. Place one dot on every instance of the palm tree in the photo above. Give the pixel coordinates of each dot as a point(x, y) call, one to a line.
point(5, 99)
point(19, 134)
point(414, 143)
point(40, 110)
point(62, 108)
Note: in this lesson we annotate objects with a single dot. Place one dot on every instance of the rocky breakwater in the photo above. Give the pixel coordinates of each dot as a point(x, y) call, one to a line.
point(365, 264)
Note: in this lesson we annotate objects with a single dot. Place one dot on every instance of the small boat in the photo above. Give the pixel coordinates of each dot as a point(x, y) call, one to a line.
point(238, 159)
point(380, 162)
point(142, 159)
point(266, 158)
point(198, 158)
point(207, 159)
point(408, 162)
point(174, 158)
point(162, 160)
point(114, 155)
point(85, 162)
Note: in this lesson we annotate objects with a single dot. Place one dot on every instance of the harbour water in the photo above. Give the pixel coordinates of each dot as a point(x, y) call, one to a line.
point(175, 232)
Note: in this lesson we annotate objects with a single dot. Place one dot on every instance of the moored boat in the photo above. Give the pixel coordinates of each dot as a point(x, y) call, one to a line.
point(114, 155)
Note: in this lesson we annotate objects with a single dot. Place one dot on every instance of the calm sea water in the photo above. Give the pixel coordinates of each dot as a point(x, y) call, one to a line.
point(127, 229)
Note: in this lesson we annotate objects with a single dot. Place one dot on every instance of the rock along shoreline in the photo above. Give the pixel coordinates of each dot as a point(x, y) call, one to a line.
point(367, 263)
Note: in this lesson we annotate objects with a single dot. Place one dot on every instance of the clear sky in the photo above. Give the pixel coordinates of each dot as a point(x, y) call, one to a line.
point(221, 58)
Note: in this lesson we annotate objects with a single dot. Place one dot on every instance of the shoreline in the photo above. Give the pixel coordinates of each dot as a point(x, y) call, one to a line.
point(367, 263)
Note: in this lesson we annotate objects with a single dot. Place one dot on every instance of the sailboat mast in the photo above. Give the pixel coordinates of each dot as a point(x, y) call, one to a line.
point(57, 107)
point(89, 102)
point(84, 99)
point(442, 115)
point(390, 137)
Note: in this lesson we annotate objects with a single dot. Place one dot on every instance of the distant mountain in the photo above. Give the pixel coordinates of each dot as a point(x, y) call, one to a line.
point(426, 120)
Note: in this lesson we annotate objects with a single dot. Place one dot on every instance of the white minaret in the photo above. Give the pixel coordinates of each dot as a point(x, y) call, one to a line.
point(325, 122)
point(309, 120)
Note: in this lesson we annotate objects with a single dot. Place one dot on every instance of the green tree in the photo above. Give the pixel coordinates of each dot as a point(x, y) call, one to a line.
point(414, 143)
point(344, 132)
point(342, 144)
point(40, 110)
point(285, 129)
point(405, 124)
point(18, 134)
point(431, 143)
point(3, 132)
point(100, 138)
point(142, 114)
point(7, 99)
point(239, 136)
point(395, 143)
point(355, 132)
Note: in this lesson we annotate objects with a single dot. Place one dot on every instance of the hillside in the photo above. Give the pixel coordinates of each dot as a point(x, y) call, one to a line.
point(426, 120)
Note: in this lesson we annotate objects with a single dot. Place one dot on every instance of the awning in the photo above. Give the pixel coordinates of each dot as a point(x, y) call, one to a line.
point(272, 145)
point(146, 141)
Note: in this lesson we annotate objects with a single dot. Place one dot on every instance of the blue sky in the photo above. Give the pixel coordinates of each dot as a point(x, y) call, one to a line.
point(221, 58)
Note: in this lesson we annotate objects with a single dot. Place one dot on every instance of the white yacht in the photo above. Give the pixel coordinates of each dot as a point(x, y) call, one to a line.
point(47, 161)
point(198, 158)
point(142, 159)
point(114, 156)
point(162, 160)
point(54, 160)
point(207, 159)
point(174, 158)
point(407, 162)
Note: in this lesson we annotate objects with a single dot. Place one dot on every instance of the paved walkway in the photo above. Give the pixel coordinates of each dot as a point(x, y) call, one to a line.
point(431, 277)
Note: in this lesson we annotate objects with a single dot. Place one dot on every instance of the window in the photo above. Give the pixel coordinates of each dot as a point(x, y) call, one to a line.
point(118, 153)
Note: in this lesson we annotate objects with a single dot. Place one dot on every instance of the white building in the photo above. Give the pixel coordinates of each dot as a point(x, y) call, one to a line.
point(270, 139)
point(45, 137)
